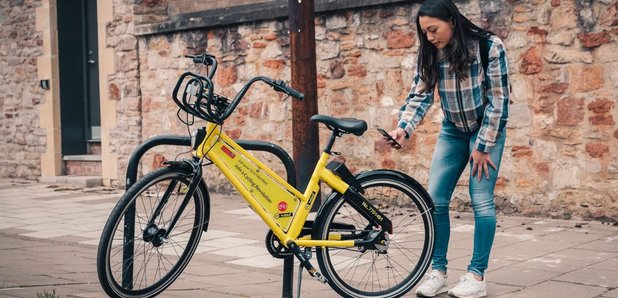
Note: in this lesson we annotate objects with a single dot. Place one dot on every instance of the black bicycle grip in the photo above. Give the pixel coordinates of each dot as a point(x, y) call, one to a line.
point(205, 59)
point(282, 87)
point(294, 93)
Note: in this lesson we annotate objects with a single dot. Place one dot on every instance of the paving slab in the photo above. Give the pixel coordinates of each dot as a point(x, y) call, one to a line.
point(611, 293)
point(554, 289)
point(552, 263)
point(517, 276)
point(591, 256)
point(531, 257)
point(591, 276)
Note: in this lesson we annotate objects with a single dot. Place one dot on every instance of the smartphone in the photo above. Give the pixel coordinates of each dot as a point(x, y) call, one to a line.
point(390, 138)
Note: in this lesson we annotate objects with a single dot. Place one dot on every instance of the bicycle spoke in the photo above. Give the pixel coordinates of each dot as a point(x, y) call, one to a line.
point(155, 260)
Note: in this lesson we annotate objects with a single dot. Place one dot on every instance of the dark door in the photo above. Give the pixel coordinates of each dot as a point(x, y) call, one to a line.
point(79, 80)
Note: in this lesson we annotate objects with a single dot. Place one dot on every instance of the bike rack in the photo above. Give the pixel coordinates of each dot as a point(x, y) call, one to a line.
point(175, 140)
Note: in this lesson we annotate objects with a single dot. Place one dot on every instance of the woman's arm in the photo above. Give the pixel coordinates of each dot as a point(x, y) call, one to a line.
point(417, 104)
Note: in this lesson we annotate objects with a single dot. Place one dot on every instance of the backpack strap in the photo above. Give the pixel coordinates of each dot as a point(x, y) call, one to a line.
point(484, 52)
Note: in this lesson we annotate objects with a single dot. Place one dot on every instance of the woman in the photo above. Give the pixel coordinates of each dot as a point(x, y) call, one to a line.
point(475, 105)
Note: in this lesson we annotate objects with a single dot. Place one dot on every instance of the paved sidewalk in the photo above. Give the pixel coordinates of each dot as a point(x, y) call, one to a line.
point(49, 236)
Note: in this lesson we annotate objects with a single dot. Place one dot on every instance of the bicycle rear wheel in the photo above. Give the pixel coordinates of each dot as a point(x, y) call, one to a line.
point(359, 272)
point(138, 259)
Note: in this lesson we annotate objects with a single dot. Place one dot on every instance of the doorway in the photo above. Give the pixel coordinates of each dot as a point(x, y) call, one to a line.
point(80, 116)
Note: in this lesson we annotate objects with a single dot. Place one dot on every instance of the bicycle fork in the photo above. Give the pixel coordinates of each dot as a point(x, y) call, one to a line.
point(156, 235)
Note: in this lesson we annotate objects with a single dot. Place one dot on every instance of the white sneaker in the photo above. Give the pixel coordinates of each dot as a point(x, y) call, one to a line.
point(435, 284)
point(469, 287)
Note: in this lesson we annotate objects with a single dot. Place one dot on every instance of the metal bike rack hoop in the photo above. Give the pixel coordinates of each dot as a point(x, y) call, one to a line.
point(176, 140)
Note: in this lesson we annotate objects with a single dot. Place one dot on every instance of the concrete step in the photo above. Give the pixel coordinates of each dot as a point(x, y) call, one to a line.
point(81, 181)
point(82, 165)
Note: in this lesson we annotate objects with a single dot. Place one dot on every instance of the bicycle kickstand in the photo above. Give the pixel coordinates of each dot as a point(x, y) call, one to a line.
point(300, 279)
point(304, 261)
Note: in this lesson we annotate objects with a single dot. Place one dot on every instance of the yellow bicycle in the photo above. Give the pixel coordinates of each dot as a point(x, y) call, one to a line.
point(373, 236)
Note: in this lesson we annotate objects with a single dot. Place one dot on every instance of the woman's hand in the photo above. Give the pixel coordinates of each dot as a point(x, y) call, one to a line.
point(398, 134)
point(480, 160)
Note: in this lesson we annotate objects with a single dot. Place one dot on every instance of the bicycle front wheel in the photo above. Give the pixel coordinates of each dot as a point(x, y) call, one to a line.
point(361, 272)
point(138, 255)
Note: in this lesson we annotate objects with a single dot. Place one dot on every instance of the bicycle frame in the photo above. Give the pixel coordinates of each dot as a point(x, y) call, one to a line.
point(215, 147)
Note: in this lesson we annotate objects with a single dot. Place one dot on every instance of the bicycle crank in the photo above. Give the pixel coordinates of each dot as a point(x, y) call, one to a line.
point(275, 247)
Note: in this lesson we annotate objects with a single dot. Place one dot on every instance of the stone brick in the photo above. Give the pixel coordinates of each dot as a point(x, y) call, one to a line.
point(597, 149)
point(272, 50)
point(564, 16)
point(127, 43)
point(336, 22)
point(274, 63)
point(601, 105)
point(321, 81)
point(255, 110)
point(542, 169)
point(559, 55)
point(381, 147)
point(389, 164)
point(570, 111)
point(336, 69)
point(557, 88)
point(531, 62)
point(561, 38)
point(603, 119)
point(234, 133)
point(158, 161)
point(521, 151)
point(519, 116)
point(114, 91)
point(544, 105)
point(536, 31)
point(327, 50)
point(592, 40)
point(398, 39)
point(357, 70)
point(585, 78)
point(259, 44)
point(226, 76)
point(270, 36)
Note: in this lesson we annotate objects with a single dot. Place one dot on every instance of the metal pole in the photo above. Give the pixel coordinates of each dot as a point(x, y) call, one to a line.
point(305, 140)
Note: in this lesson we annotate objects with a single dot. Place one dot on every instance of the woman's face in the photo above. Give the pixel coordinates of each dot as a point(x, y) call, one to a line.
point(437, 31)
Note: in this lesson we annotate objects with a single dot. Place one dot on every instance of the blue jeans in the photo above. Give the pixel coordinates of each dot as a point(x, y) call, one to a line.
point(451, 155)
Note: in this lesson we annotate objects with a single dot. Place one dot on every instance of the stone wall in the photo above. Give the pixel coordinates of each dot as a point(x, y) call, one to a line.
point(560, 158)
point(22, 141)
point(186, 6)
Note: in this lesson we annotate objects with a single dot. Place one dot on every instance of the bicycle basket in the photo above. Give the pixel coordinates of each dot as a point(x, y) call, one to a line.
point(197, 97)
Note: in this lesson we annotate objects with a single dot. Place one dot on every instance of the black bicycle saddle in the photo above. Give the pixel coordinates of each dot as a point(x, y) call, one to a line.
point(347, 125)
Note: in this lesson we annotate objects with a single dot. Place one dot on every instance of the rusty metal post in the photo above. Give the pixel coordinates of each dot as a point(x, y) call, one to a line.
point(305, 140)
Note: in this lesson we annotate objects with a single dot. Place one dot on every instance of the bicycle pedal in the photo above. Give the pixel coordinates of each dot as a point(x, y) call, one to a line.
point(320, 277)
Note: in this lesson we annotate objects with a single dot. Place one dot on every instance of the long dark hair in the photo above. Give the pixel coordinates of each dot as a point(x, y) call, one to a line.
point(457, 51)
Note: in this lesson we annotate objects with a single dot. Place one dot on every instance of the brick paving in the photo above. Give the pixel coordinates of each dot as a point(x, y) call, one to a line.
point(49, 236)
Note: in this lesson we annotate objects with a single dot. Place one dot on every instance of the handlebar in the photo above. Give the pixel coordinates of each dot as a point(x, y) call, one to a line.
point(206, 59)
point(199, 99)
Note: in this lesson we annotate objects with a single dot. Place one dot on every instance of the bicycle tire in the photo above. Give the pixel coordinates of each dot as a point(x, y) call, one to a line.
point(148, 259)
point(355, 272)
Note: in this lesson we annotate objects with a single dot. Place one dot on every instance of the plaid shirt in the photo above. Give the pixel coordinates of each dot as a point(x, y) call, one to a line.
point(464, 102)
